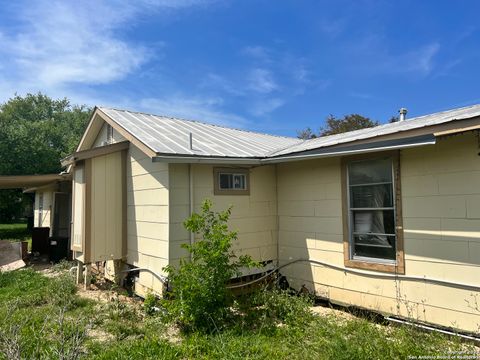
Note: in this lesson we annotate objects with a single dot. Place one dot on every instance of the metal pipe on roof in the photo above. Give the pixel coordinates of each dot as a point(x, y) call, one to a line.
point(403, 114)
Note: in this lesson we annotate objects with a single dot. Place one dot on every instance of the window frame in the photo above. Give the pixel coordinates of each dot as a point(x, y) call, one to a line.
point(230, 171)
point(384, 265)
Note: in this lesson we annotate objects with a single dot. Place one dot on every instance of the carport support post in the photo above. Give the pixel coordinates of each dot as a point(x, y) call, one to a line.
point(79, 272)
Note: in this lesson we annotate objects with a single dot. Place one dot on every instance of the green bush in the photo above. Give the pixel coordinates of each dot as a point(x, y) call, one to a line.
point(281, 306)
point(150, 304)
point(62, 290)
point(200, 299)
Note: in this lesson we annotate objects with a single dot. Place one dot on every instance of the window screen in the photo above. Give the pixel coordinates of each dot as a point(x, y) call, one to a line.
point(232, 181)
point(371, 209)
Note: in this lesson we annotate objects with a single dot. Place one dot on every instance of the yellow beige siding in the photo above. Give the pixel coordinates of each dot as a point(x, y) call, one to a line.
point(441, 209)
point(254, 216)
point(106, 212)
point(147, 217)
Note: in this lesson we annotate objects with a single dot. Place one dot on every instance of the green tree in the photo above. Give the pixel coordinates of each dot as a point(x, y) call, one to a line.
point(36, 131)
point(338, 126)
point(306, 134)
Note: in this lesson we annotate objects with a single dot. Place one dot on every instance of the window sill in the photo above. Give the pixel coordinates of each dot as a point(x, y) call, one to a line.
point(376, 266)
point(231, 192)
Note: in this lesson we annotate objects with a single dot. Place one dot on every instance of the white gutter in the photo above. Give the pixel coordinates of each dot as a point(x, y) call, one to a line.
point(281, 159)
point(345, 152)
point(205, 160)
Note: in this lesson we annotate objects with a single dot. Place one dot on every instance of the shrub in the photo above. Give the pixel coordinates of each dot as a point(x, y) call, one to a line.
point(286, 307)
point(62, 290)
point(150, 304)
point(200, 300)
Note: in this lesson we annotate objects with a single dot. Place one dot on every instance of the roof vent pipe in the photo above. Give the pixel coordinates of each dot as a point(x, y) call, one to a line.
point(403, 114)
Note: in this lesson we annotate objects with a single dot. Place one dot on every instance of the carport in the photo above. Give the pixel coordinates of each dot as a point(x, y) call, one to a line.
point(51, 210)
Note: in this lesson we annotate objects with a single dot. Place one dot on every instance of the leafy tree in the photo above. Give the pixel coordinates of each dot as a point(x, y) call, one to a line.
point(306, 134)
point(200, 299)
point(35, 133)
point(338, 126)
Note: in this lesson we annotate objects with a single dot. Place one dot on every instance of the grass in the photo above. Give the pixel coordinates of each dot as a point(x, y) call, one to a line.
point(16, 232)
point(46, 318)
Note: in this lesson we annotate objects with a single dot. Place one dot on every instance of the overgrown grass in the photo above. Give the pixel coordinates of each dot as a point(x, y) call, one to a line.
point(17, 232)
point(46, 319)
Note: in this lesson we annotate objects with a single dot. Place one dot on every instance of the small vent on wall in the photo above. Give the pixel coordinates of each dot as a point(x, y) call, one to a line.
point(109, 134)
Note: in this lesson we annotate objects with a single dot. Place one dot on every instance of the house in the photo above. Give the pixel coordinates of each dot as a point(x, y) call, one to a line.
point(385, 218)
point(52, 200)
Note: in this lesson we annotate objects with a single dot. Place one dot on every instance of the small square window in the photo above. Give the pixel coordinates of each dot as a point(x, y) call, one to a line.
point(231, 181)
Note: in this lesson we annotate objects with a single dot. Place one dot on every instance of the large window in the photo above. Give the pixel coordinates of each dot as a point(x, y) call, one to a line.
point(372, 214)
point(231, 181)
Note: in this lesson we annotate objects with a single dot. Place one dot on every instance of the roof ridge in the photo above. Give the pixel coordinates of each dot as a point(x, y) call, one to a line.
point(200, 122)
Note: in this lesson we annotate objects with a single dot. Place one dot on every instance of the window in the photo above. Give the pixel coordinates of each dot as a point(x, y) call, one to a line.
point(372, 216)
point(230, 181)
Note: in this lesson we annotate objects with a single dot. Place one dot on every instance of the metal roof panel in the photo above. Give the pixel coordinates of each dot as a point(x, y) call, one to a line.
point(166, 135)
point(386, 129)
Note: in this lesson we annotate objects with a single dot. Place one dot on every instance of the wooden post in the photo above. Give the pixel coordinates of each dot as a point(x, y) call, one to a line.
point(88, 276)
point(117, 267)
point(79, 272)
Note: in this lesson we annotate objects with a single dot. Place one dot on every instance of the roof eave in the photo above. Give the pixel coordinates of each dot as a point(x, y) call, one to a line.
point(355, 149)
point(195, 159)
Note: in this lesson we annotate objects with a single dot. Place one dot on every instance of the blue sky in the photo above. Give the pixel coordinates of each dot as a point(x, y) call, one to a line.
point(271, 66)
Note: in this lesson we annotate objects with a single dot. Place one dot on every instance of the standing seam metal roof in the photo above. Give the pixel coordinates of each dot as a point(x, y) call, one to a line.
point(167, 135)
point(386, 129)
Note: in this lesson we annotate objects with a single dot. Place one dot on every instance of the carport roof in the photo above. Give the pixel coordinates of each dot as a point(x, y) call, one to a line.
point(27, 181)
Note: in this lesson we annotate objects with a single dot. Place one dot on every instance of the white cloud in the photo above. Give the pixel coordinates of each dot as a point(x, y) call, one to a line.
point(333, 27)
point(218, 82)
point(373, 54)
point(420, 60)
point(266, 106)
point(61, 46)
point(262, 81)
point(65, 42)
point(206, 109)
point(258, 53)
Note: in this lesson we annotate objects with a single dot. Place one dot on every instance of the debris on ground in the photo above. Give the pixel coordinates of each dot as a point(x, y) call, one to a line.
point(11, 255)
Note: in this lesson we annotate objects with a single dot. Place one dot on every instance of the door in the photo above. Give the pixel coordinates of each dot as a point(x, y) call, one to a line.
point(78, 216)
point(61, 214)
